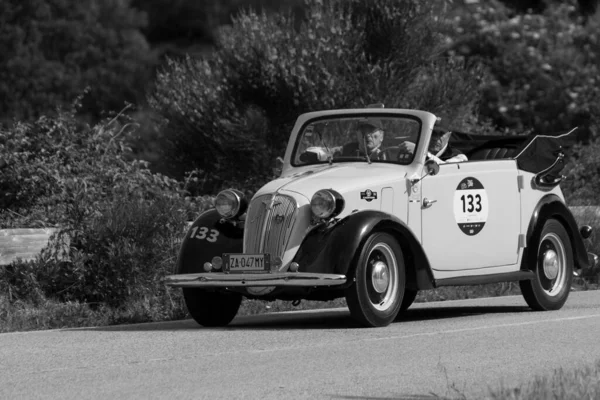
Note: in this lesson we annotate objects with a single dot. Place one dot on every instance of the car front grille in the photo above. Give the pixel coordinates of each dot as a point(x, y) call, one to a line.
point(268, 224)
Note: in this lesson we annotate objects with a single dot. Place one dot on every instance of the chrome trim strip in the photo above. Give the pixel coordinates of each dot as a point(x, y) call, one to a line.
point(219, 279)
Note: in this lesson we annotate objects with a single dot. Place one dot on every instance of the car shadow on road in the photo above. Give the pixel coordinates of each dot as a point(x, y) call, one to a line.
point(429, 313)
point(338, 318)
point(395, 397)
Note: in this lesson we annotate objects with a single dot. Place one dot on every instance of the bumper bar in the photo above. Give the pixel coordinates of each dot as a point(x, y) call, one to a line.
point(593, 260)
point(220, 279)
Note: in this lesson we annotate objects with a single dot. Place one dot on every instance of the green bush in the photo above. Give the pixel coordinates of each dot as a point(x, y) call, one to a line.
point(52, 50)
point(544, 67)
point(583, 175)
point(230, 113)
point(119, 223)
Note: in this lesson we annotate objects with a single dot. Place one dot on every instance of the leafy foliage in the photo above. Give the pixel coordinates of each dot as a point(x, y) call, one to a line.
point(119, 223)
point(53, 49)
point(544, 67)
point(583, 174)
point(229, 114)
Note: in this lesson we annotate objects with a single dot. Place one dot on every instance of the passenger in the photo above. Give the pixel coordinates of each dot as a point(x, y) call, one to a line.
point(439, 150)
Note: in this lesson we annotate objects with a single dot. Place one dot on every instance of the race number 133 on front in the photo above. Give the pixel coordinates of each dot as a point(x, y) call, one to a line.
point(470, 206)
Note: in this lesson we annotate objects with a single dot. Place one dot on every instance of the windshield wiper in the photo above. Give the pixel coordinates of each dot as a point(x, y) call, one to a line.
point(366, 149)
point(329, 155)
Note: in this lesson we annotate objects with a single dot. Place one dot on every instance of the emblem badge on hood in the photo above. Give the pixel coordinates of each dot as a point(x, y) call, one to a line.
point(368, 195)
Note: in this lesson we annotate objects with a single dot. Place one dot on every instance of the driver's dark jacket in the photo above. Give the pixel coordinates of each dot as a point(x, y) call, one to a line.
point(353, 150)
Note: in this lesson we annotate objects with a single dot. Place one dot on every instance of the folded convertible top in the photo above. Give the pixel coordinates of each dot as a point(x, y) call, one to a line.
point(534, 153)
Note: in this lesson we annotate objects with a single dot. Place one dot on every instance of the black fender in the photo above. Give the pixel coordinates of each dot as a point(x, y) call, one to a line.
point(333, 248)
point(208, 236)
point(551, 206)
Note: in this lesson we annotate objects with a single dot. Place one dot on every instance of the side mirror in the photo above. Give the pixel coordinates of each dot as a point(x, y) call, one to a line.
point(432, 167)
point(278, 168)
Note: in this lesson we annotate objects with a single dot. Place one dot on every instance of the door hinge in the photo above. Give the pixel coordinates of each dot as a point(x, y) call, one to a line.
point(520, 182)
point(522, 240)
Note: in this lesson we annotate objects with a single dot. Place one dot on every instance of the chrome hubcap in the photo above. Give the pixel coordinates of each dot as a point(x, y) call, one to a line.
point(380, 277)
point(550, 264)
point(553, 263)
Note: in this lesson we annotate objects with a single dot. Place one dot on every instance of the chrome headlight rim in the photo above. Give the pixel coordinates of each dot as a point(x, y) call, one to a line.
point(334, 203)
point(231, 203)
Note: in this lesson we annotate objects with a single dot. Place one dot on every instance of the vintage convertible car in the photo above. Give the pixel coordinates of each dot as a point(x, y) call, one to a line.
point(376, 230)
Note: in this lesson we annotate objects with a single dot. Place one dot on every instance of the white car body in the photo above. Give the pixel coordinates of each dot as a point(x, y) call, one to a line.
point(465, 223)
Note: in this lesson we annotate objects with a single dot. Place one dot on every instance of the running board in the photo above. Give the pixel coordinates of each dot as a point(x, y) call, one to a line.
point(484, 279)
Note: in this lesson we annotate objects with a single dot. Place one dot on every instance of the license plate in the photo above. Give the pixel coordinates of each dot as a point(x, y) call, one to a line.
point(240, 263)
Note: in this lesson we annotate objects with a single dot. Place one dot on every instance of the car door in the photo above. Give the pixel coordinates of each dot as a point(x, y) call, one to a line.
point(470, 215)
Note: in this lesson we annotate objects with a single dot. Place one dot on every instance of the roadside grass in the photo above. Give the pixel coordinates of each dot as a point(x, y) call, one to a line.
point(575, 384)
point(50, 314)
point(18, 316)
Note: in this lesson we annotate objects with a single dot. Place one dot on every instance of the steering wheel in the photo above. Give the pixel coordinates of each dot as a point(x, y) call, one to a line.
point(394, 153)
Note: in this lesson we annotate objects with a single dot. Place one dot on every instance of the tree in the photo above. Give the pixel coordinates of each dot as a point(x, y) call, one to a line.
point(230, 113)
point(543, 67)
point(53, 49)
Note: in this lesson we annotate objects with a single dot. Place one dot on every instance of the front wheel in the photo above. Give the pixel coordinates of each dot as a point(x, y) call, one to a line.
point(375, 297)
point(211, 309)
point(409, 297)
point(553, 267)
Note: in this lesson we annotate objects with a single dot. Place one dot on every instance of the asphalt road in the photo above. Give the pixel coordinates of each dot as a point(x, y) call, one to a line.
point(439, 349)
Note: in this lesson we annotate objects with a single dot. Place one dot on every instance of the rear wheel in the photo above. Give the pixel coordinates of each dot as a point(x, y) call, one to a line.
point(375, 297)
point(553, 267)
point(211, 308)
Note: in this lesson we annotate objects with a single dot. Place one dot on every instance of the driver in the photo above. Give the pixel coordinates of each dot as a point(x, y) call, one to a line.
point(369, 133)
point(439, 148)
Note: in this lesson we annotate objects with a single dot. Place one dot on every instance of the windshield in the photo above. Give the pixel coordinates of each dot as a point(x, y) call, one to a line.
point(389, 139)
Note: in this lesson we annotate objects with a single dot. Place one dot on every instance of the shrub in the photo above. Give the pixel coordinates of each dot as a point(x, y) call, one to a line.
point(583, 175)
point(52, 50)
point(544, 67)
point(119, 223)
point(230, 114)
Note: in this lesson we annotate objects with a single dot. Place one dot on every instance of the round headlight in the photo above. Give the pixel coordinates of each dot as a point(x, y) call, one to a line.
point(326, 203)
point(230, 203)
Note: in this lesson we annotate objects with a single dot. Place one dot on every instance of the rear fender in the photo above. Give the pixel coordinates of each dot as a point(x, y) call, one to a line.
point(206, 238)
point(550, 206)
point(334, 248)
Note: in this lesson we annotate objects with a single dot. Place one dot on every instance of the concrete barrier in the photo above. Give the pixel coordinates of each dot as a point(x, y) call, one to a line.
point(23, 243)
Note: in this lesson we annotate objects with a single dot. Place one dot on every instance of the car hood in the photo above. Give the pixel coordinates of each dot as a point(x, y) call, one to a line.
point(341, 177)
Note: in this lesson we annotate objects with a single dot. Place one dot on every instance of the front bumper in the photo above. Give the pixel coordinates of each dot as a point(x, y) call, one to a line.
point(593, 260)
point(220, 279)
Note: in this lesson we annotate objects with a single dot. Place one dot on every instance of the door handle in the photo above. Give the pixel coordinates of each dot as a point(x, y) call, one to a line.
point(428, 203)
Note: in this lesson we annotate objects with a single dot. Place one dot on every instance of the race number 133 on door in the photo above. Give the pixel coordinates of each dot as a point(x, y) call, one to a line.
point(470, 206)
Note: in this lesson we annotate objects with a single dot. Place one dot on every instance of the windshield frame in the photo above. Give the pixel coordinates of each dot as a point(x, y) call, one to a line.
point(356, 116)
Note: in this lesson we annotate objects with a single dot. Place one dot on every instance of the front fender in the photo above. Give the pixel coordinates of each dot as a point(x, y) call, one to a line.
point(208, 237)
point(550, 206)
point(334, 248)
